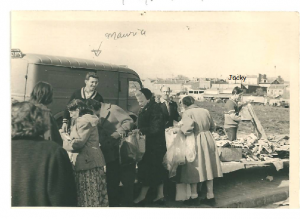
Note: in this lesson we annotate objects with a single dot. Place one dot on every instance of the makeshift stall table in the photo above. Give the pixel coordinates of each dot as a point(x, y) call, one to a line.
point(232, 166)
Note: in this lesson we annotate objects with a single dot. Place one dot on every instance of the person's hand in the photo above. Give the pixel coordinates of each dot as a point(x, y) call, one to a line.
point(248, 101)
point(175, 130)
point(64, 128)
point(65, 136)
point(115, 135)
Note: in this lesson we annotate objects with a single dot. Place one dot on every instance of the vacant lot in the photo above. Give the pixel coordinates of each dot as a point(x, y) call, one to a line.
point(275, 120)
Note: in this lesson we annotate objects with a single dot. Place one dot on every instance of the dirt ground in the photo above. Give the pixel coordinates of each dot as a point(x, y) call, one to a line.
point(275, 120)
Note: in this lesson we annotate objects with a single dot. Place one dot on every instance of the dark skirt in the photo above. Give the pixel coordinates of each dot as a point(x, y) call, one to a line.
point(151, 171)
point(91, 188)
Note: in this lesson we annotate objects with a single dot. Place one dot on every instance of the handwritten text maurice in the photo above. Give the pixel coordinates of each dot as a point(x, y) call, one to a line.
point(120, 35)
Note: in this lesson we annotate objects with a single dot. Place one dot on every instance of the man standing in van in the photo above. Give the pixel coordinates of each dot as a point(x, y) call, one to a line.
point(87, 92)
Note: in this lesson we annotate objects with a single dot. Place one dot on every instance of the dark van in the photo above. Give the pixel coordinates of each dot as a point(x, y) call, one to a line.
point(117, 84)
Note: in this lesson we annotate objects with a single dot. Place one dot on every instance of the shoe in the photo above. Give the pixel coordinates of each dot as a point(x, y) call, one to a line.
point(210, 202)
point(140, 204)
point(191, 202)
point(161, 201)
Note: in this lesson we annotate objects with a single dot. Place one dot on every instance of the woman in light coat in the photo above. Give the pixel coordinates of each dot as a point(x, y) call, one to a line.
point(114, 123)
point(206, 166)
point(89, 165)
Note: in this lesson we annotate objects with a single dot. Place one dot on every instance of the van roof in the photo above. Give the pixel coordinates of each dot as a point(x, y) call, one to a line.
point(73, 63)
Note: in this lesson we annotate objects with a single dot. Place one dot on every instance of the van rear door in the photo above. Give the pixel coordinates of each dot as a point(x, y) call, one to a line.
point(133, 86)
point(19, 79)
point(128, 85)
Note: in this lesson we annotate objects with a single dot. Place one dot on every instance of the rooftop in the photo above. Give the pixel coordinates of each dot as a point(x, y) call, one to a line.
point(40, 59)
point(252, 76)
point(277, 86)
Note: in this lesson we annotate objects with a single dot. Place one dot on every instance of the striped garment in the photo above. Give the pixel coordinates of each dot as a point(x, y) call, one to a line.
point(231, 107)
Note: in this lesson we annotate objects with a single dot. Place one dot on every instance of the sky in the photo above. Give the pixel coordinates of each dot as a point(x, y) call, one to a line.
point(166, 44)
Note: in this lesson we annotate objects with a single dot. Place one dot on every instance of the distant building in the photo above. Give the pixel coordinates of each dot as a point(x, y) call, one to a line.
point(262, 79)
point(155, 85)
point(252, 89)
point(276, 90)
point(252, 79)
point(205, 84)
point(267, 82)
point(225, 86)
point(191, 85)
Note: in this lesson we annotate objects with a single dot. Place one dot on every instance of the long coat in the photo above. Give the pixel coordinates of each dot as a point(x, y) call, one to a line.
point(41, 174)
point(151, 123)
point(206, 165)
point(85, 141)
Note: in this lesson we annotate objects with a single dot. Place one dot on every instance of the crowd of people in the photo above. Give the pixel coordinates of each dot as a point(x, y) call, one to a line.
point(79, 165)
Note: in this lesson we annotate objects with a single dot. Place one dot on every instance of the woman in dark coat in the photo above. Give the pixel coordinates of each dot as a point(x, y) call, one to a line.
point(41, 173)
point(151, 172)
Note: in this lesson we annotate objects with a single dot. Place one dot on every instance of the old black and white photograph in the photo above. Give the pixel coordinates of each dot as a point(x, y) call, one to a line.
point(152, 109)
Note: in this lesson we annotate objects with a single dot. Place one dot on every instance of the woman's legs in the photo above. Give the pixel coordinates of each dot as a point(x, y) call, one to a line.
point(209, 186)
point(199, 187)
point(194, 193)
point(142, 194)
point(160, 192)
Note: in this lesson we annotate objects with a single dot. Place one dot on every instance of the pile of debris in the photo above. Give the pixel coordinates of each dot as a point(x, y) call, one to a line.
point(254, 149)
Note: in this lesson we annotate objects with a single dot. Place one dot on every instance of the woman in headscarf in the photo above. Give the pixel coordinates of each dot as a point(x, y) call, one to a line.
point(151, 172)
point(206, 166)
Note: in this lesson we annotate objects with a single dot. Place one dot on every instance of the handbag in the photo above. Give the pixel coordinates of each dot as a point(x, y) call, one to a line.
point(141, 140)
point(132, 148)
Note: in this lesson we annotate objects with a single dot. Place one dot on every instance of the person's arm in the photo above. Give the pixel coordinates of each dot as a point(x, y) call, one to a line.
point(241, 105)
point(187, 124)
point(235, 117)
point(212, 126)
point(61, 187)
point(229, 109)
point(99, 98)
point(125, 121)
point(55, 135)
point(66, 112)
point(176, 116)
point(83, 132)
